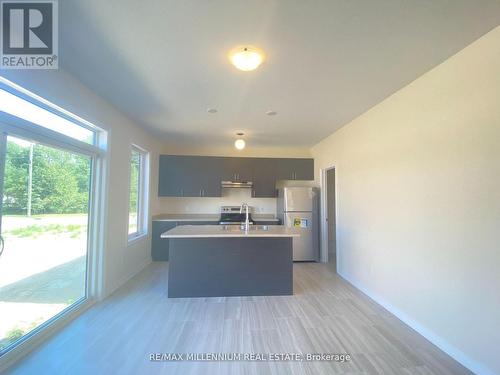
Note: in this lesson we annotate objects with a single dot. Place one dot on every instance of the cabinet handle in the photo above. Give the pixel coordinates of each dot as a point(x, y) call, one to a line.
point(201, 193)
point(182, 192)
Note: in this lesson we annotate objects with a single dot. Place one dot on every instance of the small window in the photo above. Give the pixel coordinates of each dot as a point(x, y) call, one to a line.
point(137, 214)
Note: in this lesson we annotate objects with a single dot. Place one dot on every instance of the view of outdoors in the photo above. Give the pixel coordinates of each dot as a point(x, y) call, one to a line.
point(44, 226)
point(135, 163)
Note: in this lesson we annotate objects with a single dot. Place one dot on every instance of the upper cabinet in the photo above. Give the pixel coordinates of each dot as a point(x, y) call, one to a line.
point(201, 176)
point(295, 169)
point(188, 176)
point(172, 177)
point(303, 169)
point(235, 169)
point(264, 177)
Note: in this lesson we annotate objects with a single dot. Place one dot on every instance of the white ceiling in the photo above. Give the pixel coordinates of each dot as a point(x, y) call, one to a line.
point(163, 62)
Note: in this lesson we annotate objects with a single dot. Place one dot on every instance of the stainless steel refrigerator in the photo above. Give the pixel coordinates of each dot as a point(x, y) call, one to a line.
point(297, 207)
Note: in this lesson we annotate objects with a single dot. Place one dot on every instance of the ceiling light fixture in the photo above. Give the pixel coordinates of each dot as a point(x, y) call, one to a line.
point(246, 58)
point(212, 110)
point(271, 113)
point(240, 143)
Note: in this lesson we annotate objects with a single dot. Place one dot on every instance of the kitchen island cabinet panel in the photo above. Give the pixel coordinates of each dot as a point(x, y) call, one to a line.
point(222, 267)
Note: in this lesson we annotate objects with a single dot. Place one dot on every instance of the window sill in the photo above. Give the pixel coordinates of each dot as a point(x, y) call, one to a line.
point(134, 238)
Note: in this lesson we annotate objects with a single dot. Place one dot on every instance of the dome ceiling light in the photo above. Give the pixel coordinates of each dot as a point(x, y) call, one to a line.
point(246, 58)
point(240, 142)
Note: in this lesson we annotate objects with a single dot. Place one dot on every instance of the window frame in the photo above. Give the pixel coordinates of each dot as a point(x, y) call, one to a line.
point(142, 195)
point(94, 290)
point(48, 106)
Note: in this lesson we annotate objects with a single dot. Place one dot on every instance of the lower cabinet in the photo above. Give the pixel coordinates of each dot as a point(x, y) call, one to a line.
point(159, 246)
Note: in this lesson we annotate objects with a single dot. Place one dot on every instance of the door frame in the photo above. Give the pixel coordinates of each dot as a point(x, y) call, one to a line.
point(324, 213)
point(95, 240)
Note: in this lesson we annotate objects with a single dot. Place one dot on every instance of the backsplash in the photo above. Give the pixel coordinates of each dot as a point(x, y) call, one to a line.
point(206, 205)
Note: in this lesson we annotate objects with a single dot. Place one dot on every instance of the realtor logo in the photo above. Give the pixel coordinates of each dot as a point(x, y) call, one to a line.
point(29, 35)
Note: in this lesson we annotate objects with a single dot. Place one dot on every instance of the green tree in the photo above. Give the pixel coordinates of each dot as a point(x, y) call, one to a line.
point(60, 181)
point(134, 181)
point(16, 179)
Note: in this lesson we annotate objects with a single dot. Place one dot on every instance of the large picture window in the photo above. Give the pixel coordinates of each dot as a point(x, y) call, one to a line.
point(50, 164)
point(138, 198)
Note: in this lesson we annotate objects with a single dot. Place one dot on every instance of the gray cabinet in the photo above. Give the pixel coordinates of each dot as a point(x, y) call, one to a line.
point(171, 176)
point(295, 169)
point(304, 169)
point(235, 169)
point(159, 246)
point(201, 176)
point(264, 177)
point(188, 176)
point(207, 179)
point(178, 176)
point(285, 169)
point(189, 180)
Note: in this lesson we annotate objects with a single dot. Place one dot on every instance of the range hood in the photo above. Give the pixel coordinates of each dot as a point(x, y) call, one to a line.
point(236, 184)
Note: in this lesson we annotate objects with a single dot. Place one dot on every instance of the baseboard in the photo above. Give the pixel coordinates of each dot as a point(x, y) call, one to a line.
point(437, 340)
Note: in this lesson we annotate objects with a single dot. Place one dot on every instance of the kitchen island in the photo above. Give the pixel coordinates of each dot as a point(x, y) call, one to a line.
point(221, 261)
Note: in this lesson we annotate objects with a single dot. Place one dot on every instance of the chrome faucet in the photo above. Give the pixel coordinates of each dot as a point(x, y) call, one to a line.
point(247, 221)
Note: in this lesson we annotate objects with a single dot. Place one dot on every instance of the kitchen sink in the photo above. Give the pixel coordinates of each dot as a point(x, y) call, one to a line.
point(256, 227)
point(242, 227)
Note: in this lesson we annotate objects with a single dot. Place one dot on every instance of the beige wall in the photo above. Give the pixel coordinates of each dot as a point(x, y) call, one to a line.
point(419, 203)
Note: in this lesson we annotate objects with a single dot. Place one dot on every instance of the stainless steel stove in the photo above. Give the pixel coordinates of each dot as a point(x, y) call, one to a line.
point(230, 215)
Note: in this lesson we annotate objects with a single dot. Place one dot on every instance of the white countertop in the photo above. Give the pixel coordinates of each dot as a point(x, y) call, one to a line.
point(207, 217)
point(227, 231)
